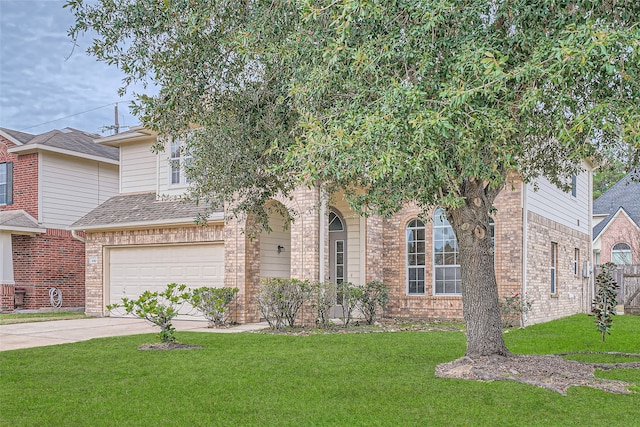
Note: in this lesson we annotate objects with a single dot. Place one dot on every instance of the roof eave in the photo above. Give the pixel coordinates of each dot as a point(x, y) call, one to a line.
point(29, 231)
point(215, 218)
point(33, 148)
point(138, 133)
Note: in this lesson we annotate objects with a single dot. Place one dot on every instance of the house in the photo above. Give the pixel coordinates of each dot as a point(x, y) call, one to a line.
point(144, 238)
point(616, 224)
point(47, 182)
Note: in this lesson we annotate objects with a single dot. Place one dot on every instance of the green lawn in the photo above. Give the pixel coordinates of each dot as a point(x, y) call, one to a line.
point(276, 380)
point(9, 318)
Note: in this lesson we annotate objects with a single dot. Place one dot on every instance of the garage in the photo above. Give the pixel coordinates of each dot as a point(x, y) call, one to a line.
point(135, 269)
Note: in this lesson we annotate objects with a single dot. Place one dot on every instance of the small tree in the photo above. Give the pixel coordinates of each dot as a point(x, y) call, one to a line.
point(605, 300)
point(374, 297)
point(214, 303)
point(159, 308)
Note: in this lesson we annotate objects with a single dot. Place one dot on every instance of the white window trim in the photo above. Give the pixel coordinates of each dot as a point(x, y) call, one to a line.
point(181, 160)
point(433, 260)
point(406, 260)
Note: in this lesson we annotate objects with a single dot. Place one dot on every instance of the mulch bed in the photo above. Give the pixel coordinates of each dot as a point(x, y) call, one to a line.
point(551, 372)
point(169, 346)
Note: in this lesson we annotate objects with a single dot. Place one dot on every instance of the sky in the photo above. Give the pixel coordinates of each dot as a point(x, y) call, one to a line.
point(46, 83)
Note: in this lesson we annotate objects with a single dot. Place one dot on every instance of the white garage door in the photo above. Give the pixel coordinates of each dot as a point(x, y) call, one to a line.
point(133, 270)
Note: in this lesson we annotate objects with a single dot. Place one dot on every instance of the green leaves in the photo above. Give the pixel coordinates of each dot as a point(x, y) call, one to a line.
point(604, 303)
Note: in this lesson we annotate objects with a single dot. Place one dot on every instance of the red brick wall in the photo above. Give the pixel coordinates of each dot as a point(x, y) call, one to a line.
point(25, 179)
point(621, 230)
point(52, 259)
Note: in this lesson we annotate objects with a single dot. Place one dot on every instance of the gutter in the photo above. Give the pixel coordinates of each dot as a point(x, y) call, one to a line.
point(76, 236)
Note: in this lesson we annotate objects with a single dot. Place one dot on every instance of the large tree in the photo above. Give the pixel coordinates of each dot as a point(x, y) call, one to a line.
point(432, 101)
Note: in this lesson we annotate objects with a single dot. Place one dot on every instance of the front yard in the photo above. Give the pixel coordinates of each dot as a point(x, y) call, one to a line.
point(384, 378)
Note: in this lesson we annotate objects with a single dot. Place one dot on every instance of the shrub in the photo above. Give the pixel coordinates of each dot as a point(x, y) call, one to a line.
point(373, 299)
point(512, 308)
point(349, 296)
point(279, 300)
point(214, 303)
point(159, 308)
point(322, 296)
point(605, 300)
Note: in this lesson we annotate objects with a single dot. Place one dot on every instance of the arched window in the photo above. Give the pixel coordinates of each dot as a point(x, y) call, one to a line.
point(446, 266)
point(416, 254)
point(621, 254)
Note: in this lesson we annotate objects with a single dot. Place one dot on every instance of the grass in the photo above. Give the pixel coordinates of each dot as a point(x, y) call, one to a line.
point(9, 318)
point(376, 379)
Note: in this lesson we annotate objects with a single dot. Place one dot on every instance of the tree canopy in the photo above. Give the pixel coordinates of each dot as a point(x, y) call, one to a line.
point(430, 101)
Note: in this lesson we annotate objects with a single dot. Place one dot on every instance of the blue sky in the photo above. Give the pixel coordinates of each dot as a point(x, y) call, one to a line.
point(47, 84)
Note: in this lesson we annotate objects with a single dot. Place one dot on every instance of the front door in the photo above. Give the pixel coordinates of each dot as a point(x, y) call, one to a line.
point(337, 255)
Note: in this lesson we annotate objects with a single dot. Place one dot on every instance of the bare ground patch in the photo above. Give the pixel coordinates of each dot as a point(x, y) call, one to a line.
point(169, 346)
point(551, 372)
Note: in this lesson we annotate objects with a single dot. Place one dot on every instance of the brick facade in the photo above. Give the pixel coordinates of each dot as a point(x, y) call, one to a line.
point(53, 259)
point(42, 261)
point(620, 230)
point(572, 291)
point(384, 254)
point(25, 179)
point(98, 243)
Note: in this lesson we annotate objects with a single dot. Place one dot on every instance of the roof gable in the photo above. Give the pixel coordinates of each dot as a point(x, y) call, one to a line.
point(624, 194)
point(70, 142)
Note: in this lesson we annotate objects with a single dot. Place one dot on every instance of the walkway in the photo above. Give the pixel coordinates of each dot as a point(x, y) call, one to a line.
point(38, 334)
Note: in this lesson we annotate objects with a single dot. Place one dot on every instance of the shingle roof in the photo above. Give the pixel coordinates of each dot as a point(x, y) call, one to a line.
point(21, 137)
point(138, 209)
point(67, 139)
point(624, 194)
point(19, 220)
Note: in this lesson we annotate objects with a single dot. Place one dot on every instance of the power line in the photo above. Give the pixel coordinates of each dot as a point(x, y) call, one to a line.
point(72, 115)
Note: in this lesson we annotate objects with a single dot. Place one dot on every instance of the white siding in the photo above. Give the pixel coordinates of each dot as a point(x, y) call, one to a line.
point(71, 187)
point(556, 205)
point(354, 252)
point(272, 263)
point(137, 167)
point(164, 175)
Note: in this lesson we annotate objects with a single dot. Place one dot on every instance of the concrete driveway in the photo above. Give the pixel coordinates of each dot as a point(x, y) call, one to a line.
point(38, 334)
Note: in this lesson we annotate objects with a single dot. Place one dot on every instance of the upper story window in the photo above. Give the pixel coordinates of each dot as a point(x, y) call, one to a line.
point(416, 254)
point(621, 254)
point(446, 264)
point(180, 159)
point(574, 186)
point(6, 183)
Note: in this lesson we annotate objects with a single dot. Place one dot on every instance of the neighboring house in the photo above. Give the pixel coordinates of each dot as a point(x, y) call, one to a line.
point(47, 182)
point(142, 239)
point(616, 220)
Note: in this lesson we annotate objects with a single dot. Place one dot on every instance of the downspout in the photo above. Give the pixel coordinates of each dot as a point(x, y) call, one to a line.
point(76, 236)
point(323, 213)
point(525, 242)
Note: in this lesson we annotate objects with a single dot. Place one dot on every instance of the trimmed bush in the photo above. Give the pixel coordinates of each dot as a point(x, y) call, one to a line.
point(373, 300)
point(279, 300)
point(214, 304)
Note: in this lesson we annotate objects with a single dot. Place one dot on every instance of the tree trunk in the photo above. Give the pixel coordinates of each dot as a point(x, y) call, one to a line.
point(481, 308)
